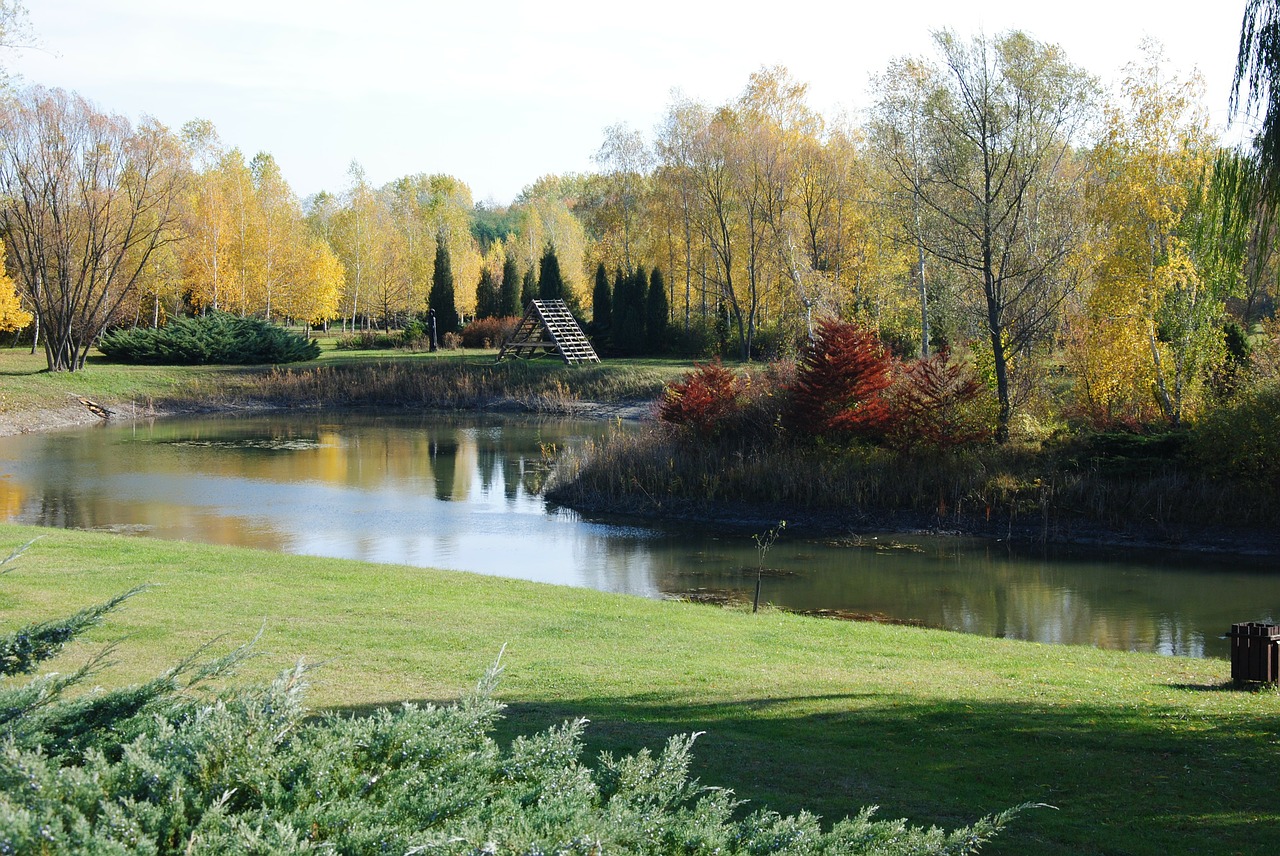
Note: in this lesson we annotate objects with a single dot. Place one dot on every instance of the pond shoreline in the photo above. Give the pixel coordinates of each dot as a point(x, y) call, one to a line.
point(82, 412)
point(866, 527)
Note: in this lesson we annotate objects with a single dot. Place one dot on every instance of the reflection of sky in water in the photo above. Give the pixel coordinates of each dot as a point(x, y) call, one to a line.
point(459, 494)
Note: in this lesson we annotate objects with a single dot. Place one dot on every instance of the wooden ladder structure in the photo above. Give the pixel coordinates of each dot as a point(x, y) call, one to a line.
point(548, 327)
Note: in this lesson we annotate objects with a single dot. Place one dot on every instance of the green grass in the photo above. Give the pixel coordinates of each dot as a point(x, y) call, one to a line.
point(1139, 753)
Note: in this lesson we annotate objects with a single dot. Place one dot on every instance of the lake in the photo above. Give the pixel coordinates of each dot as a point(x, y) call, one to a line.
point(465, 493)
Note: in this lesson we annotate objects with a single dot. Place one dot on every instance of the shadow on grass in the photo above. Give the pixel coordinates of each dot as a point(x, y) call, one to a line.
point(1124, 780)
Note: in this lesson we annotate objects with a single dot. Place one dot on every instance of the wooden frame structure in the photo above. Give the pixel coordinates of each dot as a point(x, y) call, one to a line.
point(548, 327)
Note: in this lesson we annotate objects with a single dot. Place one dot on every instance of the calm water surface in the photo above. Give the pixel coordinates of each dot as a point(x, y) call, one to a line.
point(465, 493)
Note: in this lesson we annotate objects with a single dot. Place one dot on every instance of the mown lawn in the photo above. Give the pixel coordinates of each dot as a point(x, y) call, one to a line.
point(1139, 754)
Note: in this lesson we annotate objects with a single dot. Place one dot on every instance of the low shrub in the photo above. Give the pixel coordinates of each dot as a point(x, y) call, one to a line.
point(369, 340)
point(702, 401)
point(489, 332)
point(167, 769)
point(937, 403)
point(1241, 439)
point(213, 338)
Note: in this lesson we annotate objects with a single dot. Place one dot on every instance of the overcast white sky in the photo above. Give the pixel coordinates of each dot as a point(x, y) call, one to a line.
point(498, 92)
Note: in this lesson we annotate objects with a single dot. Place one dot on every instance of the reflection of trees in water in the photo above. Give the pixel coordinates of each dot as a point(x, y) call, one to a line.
point(71, 479)
point(1100, 603)
point(62, 506)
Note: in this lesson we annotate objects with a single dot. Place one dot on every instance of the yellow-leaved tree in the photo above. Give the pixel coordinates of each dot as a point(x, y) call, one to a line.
point(1146, 332)
point(12, 315)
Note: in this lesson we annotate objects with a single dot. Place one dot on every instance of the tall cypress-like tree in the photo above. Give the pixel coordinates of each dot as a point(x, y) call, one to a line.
point(601, 303)
point(509, 294)
point(656, 313)
point(629, 314)
point(486, 295)
point(529, 288)
point(441, 297)
point(550, 282)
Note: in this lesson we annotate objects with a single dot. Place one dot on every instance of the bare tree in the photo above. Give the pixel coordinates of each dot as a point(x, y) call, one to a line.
point(86, 200)
point(999, 188)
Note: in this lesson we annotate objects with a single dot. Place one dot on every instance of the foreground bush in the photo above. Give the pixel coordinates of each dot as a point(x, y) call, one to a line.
point(213, 338)
point(155, 770)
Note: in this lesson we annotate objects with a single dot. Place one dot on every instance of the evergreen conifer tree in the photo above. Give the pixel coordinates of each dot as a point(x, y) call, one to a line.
point(601, 303)
point(550, 282)
point(528, 289)
point(656, 311)
point(509, 293)
point(486, 295)
point(441, 298)
point(629, 314)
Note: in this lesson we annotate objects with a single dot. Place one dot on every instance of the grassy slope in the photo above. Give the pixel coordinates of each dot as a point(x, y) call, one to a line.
point(1141, 754)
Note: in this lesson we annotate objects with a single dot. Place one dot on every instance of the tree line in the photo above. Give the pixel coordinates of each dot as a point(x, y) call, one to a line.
point(996, 200)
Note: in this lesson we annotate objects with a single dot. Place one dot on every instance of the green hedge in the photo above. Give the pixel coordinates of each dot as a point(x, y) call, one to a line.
point(213, 338)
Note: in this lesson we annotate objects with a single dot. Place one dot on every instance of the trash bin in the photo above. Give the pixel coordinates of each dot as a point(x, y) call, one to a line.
point(1255, 652)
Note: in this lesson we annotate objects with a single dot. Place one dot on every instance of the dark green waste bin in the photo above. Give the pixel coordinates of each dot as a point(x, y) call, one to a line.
point(1255, 652)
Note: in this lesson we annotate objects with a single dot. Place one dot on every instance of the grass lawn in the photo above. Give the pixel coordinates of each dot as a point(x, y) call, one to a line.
point(1140, 754)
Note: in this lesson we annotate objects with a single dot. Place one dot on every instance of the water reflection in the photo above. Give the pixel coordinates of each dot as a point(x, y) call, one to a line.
point(466, 494)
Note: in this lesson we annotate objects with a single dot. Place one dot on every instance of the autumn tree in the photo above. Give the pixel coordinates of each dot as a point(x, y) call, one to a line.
point(1152, 317)
point(85, 199)
point(1002, 190)
point(206, 218)
point(12, 315)
point(837, 392)
point(625, 163)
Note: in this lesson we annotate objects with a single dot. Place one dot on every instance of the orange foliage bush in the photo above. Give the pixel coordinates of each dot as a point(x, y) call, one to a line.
point(838, 385)
point(933, 402)
point(703, 401)
point(489, 332)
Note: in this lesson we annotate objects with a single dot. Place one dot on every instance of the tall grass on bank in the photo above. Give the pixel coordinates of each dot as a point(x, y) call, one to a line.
point(1049, 492)
point(338, 379)
point(446, 384)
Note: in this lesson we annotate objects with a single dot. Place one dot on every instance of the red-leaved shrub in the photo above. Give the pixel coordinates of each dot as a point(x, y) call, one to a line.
point(702, 401)
point(838, 385)
point(489, 332)
point(934, 403)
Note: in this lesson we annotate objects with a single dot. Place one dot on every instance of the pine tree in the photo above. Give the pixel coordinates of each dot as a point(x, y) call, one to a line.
point(486, 295)
point(656, 312)
point(509, 294)
point(441, 297)
point(550, 282)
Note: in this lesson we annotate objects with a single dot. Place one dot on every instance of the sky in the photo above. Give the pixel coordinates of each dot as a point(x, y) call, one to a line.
point(499, 93)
